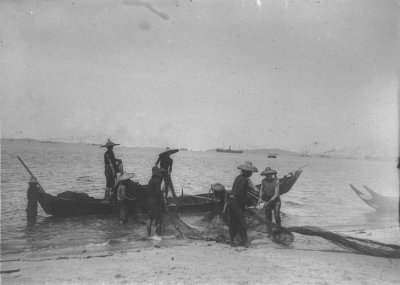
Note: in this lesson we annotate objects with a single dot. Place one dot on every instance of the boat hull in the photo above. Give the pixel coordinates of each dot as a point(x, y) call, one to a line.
point(58, 206)
point(63, 205)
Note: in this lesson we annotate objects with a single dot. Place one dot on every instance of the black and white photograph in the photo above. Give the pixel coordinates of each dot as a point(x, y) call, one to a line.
point(200, 141)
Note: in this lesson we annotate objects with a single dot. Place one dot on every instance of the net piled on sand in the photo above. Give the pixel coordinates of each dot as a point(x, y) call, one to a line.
point(358, 245)
point(216, 229)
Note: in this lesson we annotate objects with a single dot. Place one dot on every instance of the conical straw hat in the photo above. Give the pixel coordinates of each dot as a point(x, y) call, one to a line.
point(248, 166)
point(109, 143)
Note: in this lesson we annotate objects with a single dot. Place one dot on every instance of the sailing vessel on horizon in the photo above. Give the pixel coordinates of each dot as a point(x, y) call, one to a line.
point(228, 150)
point(306, 152)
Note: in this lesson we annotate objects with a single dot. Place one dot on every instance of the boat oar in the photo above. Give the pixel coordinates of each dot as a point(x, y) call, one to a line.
point(27, 169)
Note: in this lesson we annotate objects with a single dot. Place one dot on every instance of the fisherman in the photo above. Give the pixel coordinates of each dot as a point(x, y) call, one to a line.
point(156, 203)
point(165, 162)
point(238, 202)
point(32, 192)
point(122, 196)
point(269, 193)
point(111, 168)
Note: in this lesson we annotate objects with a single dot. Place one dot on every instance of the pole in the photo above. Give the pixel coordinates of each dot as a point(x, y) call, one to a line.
point(27, 169)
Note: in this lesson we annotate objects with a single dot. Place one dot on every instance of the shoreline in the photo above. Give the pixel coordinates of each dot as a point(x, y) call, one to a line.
point(181, 261)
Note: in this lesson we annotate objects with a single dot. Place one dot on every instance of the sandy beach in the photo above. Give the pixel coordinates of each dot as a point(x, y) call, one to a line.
point(309, 260)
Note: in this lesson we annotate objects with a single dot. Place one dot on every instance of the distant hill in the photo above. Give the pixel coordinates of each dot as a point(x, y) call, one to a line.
point(360, 152)
point(276, 151)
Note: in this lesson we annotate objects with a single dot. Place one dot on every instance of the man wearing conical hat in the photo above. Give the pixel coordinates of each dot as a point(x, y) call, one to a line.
point(237, 205)
point(166, 162)
point(270, 194)
point(110, 167)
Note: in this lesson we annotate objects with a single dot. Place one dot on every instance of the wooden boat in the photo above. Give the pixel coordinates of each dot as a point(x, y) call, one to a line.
point(378, 202)
point(75, 203)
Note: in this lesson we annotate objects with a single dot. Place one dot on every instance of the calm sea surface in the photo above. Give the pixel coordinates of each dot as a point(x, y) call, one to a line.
point(321, 197)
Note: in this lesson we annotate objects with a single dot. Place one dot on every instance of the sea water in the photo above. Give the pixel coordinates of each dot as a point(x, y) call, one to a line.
point(321, 196)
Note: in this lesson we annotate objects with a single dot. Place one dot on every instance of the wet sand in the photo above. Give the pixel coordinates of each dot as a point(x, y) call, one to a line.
point(310, 260)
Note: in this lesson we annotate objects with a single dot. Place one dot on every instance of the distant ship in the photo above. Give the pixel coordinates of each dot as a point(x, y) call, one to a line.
point(272, 156)
point(48, 141)
point(306, 153)
point(229, 150)
point(183, 148)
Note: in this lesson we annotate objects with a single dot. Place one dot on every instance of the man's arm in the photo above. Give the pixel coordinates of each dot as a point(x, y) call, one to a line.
point(276, 195)
point(170, 167)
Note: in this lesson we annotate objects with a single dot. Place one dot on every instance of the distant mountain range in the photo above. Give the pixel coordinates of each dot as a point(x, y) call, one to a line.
point(269, 151)
point(360, 152)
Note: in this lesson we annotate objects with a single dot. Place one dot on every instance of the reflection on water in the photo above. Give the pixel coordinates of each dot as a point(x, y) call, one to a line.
point(321, 197)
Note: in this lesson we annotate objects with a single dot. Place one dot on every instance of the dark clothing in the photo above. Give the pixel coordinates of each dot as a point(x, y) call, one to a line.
point(237, 221)
point(239, 190)
point(110, 179)
point(168, 184)
point(156, 204)
point(110, 167)
point(31, 194)
point(155, 194)
point(109, 158)
point(156, 199)
point(165, 162)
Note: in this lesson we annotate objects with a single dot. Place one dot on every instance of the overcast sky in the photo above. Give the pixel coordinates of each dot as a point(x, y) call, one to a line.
point(202, 74)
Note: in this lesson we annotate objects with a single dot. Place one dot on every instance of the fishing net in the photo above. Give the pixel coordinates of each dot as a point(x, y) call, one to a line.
point(358, 245)
point(215, 228)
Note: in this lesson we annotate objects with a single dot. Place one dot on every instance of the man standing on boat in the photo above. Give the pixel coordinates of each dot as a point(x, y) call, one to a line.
point(111, 167)
point(269, 193)
point(165, 162)
point(156, 203)
point(238, 202)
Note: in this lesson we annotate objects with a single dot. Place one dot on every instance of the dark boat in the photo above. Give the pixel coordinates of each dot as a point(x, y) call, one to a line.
point(228, 150)
point(378, 202)
point(71, 203)
point(272, 156)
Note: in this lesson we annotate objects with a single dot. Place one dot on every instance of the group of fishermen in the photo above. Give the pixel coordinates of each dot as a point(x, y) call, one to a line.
point(268, 196)
point(118, 182)
point(236, 200)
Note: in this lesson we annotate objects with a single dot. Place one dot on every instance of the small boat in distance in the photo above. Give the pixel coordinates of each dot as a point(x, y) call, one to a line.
point(272, 156)
point(183, 148)
point(229, 150)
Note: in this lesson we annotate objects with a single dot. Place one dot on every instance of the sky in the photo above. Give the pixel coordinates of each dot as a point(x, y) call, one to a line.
point(202, 74)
